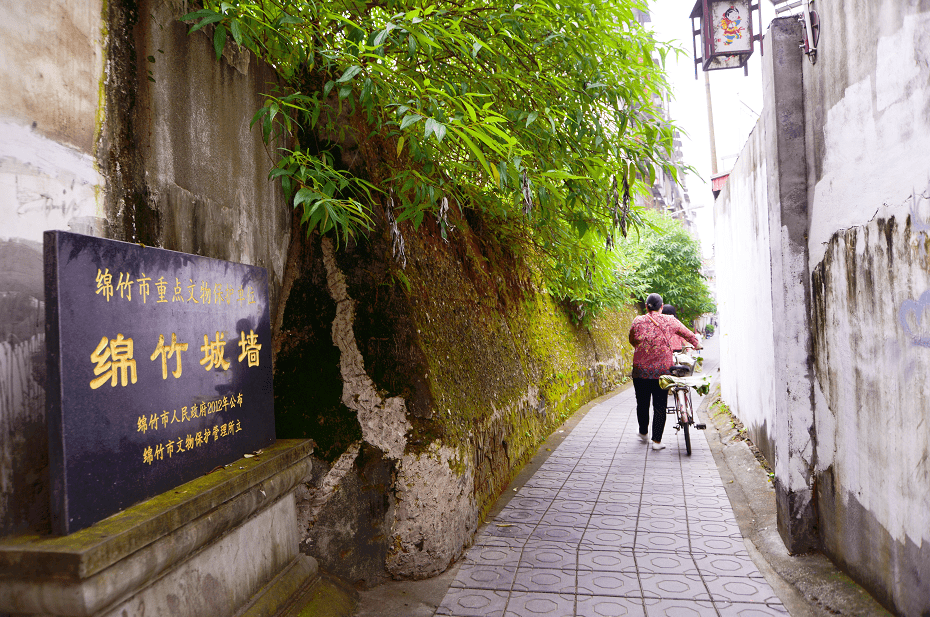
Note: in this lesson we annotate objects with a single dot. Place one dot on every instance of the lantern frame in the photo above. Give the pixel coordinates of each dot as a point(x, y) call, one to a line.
point(716, 55)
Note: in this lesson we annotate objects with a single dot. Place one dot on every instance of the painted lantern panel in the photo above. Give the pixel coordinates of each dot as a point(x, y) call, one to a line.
point(730, 27)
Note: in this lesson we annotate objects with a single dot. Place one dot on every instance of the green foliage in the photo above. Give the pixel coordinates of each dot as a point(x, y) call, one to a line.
point(665, 259)
point(541, 115)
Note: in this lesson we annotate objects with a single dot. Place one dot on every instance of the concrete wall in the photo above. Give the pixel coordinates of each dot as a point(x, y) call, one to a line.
point(869, 165)
point(50, 84)
point(850, 385)
point(744, 290)
point(96, 138)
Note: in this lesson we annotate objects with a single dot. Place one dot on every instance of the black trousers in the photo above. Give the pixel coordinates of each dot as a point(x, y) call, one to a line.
point(647, 389)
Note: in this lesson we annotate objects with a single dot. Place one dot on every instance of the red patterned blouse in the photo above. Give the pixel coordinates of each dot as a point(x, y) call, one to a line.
point(652, 336)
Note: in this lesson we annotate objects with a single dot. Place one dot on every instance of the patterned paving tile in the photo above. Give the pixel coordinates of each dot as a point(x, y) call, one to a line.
point(565, 519)
point(727, 565)
point(611, 508)
point(608, 539)
point(719, 546)
point(673, 586)
point(606, 561)
point(571, 493)
point(545, 580)
point(741, 589)
point(598, 583)
point(738, 609)
point(547, 558)
point(605, 606)
point(536, 492)
point(483, 576)
point(473, 603)
point(722, 529)
point(566, 535)
point(665, 563)
point(678, 608)
point(517, 515)
point(493, 556)
point(507, 530)
point(606, 521)
point(525, 604)
point(575, 507)
point(663, 525)
point(661, 542)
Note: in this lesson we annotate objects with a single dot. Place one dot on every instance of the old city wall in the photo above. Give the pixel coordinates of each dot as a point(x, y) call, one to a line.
point(858, 444)
point(425, 388)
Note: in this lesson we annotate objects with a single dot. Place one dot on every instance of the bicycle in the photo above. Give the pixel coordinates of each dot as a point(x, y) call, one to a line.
point(681, 397)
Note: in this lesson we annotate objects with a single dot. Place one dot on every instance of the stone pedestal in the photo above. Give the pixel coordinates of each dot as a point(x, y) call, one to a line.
point(224, 544)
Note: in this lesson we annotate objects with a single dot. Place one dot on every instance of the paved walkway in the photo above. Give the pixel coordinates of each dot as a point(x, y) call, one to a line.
point(609, 527)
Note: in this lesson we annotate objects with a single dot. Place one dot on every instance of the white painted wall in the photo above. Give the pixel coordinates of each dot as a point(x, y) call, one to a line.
point(51, 78)
point(744, 290)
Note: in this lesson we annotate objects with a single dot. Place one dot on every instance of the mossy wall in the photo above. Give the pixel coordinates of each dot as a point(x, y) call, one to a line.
point(487, 366)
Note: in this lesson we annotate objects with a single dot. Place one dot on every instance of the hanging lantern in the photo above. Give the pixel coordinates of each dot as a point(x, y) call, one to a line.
point(726, 33)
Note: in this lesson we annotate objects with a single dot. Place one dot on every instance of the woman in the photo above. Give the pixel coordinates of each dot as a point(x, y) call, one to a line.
point(651, 336)
point(678, 343)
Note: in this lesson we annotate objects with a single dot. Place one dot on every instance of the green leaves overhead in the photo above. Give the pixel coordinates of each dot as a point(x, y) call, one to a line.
point(526, 111)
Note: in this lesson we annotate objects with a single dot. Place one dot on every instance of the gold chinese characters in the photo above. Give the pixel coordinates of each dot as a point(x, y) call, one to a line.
point(114, 360)
point(202, 294)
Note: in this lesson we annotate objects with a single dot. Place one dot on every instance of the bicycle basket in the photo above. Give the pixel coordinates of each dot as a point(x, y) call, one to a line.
point(680, 370)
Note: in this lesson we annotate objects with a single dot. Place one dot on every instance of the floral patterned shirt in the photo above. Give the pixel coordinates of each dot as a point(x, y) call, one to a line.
point(653, 340)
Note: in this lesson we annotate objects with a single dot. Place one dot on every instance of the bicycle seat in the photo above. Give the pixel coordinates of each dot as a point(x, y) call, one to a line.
point(680, 370)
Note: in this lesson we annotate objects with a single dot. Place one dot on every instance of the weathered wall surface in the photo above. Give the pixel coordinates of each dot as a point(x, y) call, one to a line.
point(857, 433)
point(91, 144)
point(450, 380)
point(50, 83)
point(744, 291)
point(869, 166)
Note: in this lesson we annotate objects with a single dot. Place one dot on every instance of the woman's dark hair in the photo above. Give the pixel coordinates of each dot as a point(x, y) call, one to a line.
point(654, 302)
point(668, 309)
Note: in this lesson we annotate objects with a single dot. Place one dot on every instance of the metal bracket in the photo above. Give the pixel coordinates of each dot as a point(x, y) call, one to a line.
point(811, 20)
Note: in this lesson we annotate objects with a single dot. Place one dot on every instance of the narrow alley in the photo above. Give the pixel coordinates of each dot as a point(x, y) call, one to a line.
point(608, 526)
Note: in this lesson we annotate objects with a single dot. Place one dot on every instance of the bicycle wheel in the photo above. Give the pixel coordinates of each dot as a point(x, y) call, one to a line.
point(687, 439)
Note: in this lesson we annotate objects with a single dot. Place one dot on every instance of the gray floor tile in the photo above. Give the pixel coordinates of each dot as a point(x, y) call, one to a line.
point(565, 519)
point(741, 589)
point(473, 603)
point(666, 563)
point(483, 576)
point(722, 529)
point(606, 561)
point(739, 609)
point(719, 546)
point(545, 580)
point(663, 499)
point(517, 515)
point(547, 558)
point(493, 556)
point(661, 542)
point(613, 497)
point(605, 606)
point(604, 521)
point(727, 565)
point(673, 586)
point(489, 540)
point(663, 524)
point(538, 493)
point(568, 535)
point(570, 493)
point(524, 604)
point(678, 608)
point(610, 508)
point(507, 530)
point(598, 583)
point(607, 539)
point(576, 507)
point(530, 503)
point(544, 483)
